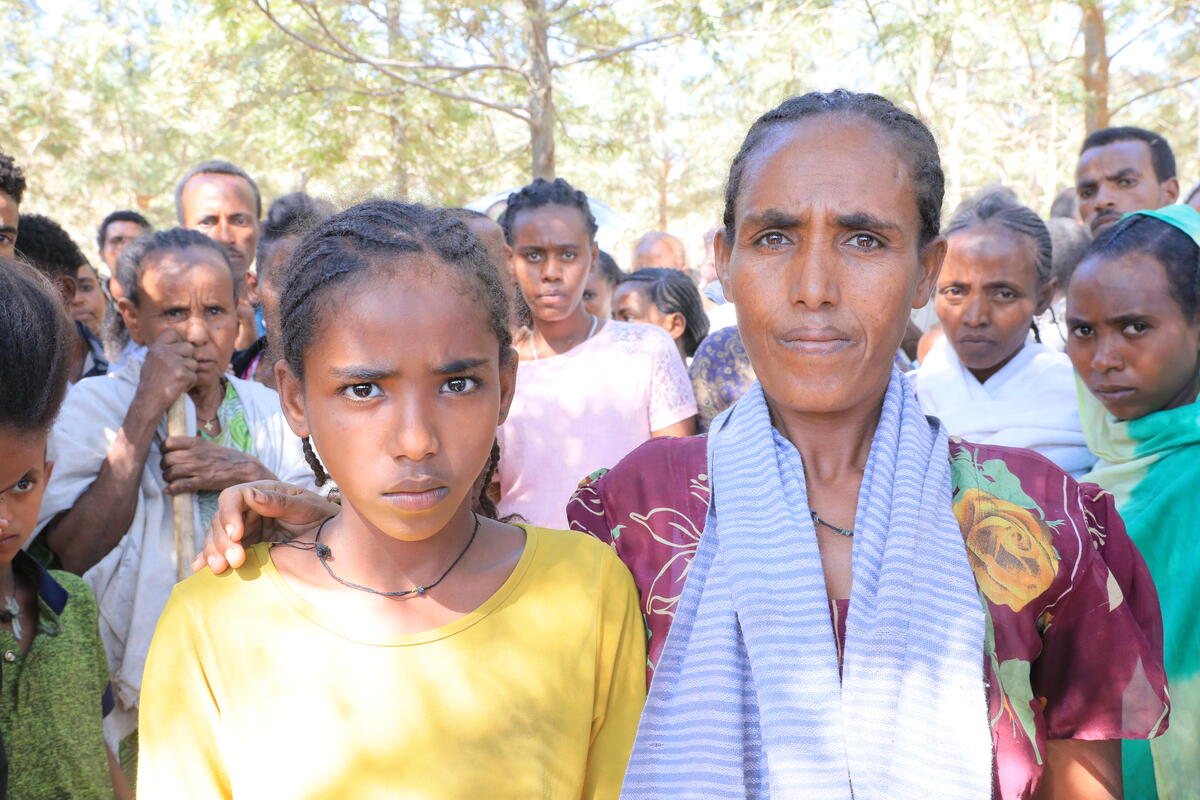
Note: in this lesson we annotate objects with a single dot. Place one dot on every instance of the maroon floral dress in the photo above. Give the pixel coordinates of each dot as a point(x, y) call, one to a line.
point(1074, 634)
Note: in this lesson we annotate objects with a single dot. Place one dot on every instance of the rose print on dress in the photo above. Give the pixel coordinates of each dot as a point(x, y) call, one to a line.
point(1008, 547)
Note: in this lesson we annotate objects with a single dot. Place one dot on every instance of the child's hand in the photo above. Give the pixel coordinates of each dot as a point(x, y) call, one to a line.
point(249, 513)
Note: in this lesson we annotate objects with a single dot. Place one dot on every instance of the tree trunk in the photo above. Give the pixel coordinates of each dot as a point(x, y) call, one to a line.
point(541, 90)
point(1095, 66)
point(399, 133)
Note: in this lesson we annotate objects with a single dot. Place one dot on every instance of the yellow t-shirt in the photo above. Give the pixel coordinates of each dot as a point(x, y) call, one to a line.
point(249, 691)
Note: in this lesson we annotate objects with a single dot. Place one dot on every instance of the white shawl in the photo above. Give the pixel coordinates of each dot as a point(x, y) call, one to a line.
point(132, 583)
point(1030, 403)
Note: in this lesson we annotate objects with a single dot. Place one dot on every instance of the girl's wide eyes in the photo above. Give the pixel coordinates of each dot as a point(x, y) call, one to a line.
point(23, 485)
point(361, 391)
point(459, 385)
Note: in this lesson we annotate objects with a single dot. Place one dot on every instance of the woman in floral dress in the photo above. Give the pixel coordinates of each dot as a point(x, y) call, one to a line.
point(824, 269)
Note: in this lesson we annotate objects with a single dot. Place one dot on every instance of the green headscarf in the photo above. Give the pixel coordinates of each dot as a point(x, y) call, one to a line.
point(1152, 467)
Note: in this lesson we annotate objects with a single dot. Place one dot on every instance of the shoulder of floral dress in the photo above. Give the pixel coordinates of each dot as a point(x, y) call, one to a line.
point(665, 472)
point(664, 458)
point(1027, 464)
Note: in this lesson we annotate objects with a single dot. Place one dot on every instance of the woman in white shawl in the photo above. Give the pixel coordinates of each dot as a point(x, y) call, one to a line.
point(107, 511)
point(984, 379)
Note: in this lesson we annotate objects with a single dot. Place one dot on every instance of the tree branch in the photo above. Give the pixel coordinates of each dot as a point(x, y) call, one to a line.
point(1145, 29)
point(352, 56)
point(616, 51)
point(1154, 91)
point(312, 12)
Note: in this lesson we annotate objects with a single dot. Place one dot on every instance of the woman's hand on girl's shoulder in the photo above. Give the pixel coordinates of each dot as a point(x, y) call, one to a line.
point(262, 511)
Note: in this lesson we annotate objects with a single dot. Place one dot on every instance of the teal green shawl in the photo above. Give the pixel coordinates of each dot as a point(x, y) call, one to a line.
point(1152, 467)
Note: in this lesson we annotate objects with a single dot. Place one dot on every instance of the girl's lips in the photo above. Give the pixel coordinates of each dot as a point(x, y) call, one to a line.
point(417, 501)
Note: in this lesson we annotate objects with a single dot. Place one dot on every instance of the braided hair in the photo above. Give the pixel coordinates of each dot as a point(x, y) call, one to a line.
point(672, 292)
point(37, 338)
point(544, 193)
point(1166, 244)
point(999, 207)
point(608, 267)
point(913, 139)
point(347, 245)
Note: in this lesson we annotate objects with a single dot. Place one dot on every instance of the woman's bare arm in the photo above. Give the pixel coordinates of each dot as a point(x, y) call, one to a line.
point(1082, 770)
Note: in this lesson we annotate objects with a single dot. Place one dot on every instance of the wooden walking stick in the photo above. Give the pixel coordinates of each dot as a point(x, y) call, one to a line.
point(181, 504)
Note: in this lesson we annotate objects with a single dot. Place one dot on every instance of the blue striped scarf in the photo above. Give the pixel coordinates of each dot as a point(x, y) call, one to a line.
point(747, 701)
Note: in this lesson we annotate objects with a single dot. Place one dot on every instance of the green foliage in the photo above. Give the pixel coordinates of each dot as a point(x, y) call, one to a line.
point(107, 102)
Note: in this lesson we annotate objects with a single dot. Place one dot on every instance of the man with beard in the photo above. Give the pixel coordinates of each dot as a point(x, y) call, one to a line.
point(1122, 170)
point(221, 201)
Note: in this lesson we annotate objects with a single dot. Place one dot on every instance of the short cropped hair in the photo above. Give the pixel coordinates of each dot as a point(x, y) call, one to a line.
point(216, 167)
point(120, 216)
point(1161, 155)
point(45, 245)
point(12, 178)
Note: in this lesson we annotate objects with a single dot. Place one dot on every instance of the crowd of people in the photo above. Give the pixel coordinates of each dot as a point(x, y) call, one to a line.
point(458, 537)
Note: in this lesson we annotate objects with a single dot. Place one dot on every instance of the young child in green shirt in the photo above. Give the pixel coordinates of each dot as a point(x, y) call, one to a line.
point(54, 688)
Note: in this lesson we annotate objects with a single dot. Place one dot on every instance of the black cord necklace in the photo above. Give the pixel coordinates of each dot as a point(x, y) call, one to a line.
point(840, 531)
point(324, 554)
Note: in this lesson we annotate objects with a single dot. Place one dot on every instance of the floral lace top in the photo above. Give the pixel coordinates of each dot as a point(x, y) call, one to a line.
point(1074, 635)
point(585, 409)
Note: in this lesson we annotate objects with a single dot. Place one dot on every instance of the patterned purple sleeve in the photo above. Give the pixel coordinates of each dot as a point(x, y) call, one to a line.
point(650, 508)
point(1100, 673)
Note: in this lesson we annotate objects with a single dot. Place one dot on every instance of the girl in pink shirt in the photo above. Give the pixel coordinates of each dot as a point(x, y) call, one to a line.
point(589, 390)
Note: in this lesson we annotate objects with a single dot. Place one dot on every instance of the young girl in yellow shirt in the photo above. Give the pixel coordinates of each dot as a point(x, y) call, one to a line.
point(414, 646)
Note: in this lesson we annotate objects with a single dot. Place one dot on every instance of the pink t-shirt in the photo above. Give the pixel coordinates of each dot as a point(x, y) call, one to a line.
point(584, 410)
